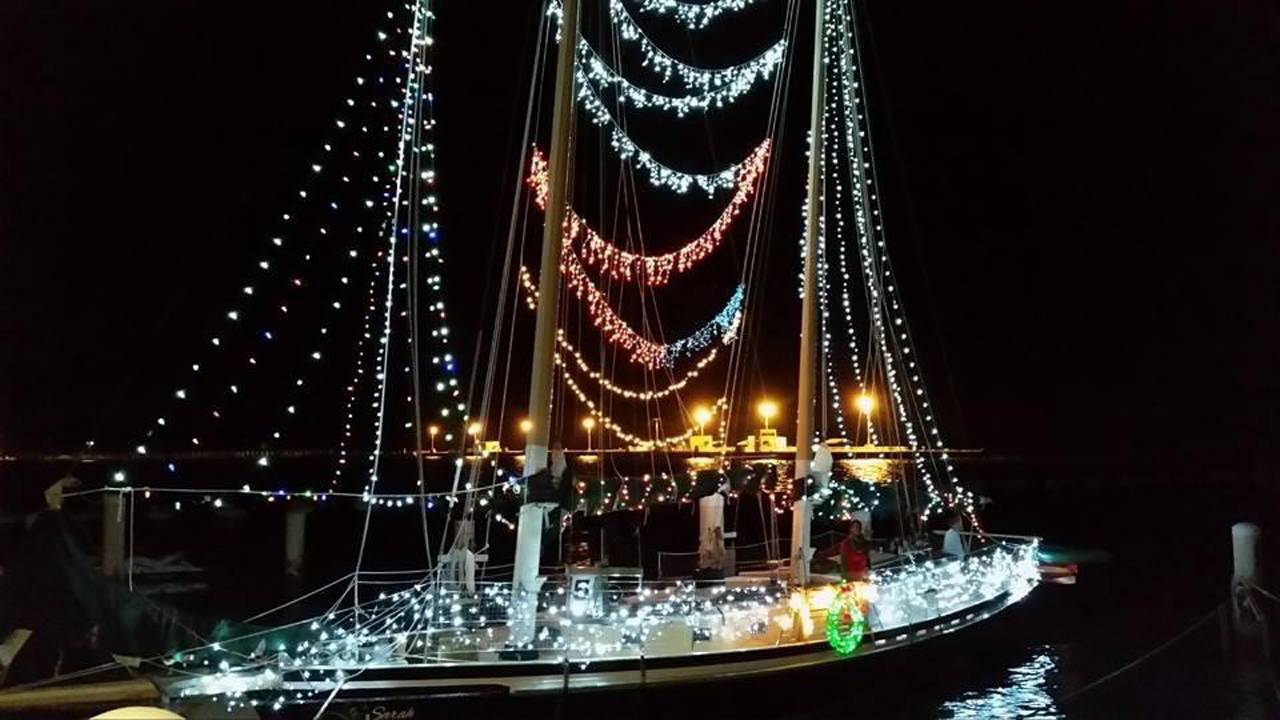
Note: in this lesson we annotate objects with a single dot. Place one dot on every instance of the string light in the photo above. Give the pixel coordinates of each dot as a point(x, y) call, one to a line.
point(704, 80)
point(652, 269)
point(724, 326)
point(621, 433)
point(238, 316)
point(415, 156)
point(628, 393)
point(727, 90)
point(659, 174)
point(694, 16)
point(883, 303)
point(531, 295)
point(710, 88)
point(914, 597)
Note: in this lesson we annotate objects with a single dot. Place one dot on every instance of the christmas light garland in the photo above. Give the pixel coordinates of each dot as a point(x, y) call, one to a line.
point(621, 433)
point(413, 62)
point(403, 623)
point(704, 80)
point(877, 274)
point(694, 16)
point(592, 69)
point(628, 393)
point(531, 296)
point(651, 269)
point(659, 174)
point(723, 327)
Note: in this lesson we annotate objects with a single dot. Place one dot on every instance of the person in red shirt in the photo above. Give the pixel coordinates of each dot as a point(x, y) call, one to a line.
point(854, 552)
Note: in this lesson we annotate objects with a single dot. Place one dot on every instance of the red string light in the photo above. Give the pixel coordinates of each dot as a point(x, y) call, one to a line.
point(652, 269)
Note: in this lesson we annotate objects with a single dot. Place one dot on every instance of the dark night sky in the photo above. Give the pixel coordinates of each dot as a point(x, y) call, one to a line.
point(1086, 192)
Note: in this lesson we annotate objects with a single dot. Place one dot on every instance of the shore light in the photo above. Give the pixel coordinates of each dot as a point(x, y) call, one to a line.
point(701, 416)
point(865, 403)
point(768, 410)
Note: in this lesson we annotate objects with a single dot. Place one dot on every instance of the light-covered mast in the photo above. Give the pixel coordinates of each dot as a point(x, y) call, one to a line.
point(529, 532)
point(809, 358)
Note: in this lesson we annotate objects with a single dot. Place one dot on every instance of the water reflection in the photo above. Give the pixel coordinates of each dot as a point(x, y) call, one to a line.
point(1024, 693)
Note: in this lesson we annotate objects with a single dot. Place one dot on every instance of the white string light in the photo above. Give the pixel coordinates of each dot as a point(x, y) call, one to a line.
point(268, 336)
point(883, 304)
point(621, 433)
point(659, 174)
point(694, 16)
point(704, 80)
point(593, 69)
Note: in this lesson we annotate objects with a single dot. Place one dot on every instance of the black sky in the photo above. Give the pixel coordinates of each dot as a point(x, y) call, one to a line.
point(1082, 195)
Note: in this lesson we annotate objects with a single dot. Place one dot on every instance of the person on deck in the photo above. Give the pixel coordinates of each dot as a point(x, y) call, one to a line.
point(953, 542)
point(855, 553)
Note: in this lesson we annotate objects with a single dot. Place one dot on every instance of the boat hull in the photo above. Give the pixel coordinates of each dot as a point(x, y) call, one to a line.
point(418, 691)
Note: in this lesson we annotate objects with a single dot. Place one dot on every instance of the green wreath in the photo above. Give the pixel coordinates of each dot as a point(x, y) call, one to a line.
point(845, 622)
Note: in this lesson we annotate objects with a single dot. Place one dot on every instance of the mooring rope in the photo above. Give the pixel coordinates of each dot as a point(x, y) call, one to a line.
point(1146, 656)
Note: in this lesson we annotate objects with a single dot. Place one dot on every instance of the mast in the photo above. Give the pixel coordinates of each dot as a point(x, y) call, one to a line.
point(529, 531)
point(801, 511)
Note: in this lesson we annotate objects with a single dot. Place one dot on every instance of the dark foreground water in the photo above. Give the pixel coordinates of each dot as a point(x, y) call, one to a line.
point(1155, 561)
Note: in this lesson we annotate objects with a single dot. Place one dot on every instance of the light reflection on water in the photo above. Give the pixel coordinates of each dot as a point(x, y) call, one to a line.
point(1024, 693)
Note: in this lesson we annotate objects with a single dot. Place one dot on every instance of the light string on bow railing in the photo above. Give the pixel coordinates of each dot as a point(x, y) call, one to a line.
point(651, 269)
point(723, 327)
point(410, 606)
point(693, 16)
point(531, 301)
point(704, 80)
point(239, 316)
point(659, 174)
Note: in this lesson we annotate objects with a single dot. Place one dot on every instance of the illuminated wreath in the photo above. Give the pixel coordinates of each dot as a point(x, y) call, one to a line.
point(845, 621)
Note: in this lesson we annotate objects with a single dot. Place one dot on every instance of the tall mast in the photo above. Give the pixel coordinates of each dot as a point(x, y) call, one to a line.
point(529, 531)
point(809, 315)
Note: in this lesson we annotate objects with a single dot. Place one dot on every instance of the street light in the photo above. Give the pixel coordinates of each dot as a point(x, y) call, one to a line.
point(588, 424)
point(768, 410)
point(865, 402)
point(474, 431)
point(701, 416)
point(432, 432)
point(526, 426)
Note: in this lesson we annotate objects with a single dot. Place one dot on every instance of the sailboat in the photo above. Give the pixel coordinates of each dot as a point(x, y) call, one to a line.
point(582, 624)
